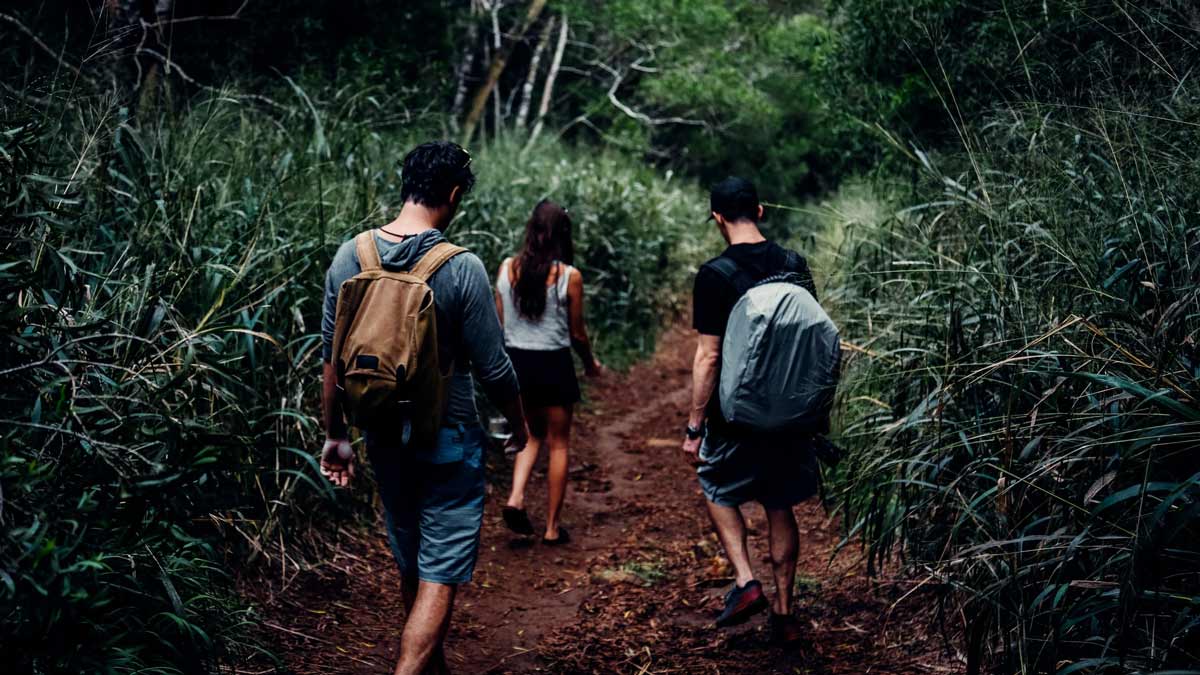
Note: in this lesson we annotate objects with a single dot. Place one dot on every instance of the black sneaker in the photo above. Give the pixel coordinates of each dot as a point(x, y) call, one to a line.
point(741, 603)
point(785, 630)
point(517, 520)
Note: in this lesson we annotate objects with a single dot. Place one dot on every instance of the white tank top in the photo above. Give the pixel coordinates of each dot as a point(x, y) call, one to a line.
point(548, 332)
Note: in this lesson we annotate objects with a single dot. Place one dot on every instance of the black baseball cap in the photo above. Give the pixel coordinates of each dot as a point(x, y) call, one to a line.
point(734, 198)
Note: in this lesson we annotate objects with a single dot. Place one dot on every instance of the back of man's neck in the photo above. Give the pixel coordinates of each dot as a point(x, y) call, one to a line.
point(414, 219)
point(745, 234)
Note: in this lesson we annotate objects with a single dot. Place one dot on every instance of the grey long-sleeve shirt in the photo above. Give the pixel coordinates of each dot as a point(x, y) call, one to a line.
point(469, 331)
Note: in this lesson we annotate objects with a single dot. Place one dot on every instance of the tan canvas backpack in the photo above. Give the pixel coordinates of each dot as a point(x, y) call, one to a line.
point(385, 345)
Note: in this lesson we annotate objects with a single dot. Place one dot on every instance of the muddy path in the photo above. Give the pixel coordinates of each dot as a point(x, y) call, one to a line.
point(637, 589)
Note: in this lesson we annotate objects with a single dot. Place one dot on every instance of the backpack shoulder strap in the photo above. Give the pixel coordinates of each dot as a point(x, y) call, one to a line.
point(368, 251)
point(433, 260)
point(724, 266)
point(733, 273)
point(799, 266)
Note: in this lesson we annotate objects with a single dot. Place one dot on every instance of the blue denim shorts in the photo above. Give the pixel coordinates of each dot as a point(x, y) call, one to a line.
point(775, 471)
point(433, 503)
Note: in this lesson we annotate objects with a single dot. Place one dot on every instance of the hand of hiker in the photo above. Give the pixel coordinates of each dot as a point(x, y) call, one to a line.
point(517, 442)
point(596, 369)
point(691, 451)
point(337, 461)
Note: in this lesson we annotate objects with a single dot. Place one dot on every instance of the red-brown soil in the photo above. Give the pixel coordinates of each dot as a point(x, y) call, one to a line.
point(637, 589)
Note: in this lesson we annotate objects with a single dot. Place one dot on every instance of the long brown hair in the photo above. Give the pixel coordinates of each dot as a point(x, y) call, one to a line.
point(547, 239)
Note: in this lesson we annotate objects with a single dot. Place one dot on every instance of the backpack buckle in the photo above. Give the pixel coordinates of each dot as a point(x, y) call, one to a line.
point(404, 408)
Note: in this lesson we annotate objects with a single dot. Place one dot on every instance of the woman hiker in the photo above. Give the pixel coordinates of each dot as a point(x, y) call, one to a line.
point(539, 297)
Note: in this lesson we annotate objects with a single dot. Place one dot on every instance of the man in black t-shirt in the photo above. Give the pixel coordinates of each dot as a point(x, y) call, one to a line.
point(737, 465)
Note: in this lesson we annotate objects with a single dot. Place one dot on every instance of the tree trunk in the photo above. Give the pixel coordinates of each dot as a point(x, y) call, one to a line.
point(548, 90)
point(497, 42)
point(499, 61)
point(497, 121)
point(465, 64)
point(136, 28)
point(531, 76)
point(158, 40)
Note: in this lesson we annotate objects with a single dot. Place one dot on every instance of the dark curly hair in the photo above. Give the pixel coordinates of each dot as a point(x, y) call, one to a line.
point(432, 170)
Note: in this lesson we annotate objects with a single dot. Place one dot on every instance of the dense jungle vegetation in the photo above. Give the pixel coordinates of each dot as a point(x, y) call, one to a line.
point(1000, 199)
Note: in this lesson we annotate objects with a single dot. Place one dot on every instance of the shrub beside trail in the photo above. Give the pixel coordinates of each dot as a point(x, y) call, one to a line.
point(1023, 405)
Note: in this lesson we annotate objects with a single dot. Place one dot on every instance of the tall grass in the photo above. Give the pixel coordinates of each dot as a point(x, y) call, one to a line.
point(161, 285)
point(1022, 406)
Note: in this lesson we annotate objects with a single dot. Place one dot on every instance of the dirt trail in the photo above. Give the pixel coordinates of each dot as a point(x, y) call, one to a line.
point(635, 592)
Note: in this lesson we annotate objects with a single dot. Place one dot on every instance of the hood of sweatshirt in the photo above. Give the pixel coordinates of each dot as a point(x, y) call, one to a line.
point(402, 255)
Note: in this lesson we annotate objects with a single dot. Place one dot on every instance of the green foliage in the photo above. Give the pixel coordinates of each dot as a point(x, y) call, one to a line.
point(763, 96)
point(162, 285)
point(1022, 410)
point(919, 67)
point(721, 87)
point(707, 88)
point(395, 44)
point(154, 379)
point(1020, 406)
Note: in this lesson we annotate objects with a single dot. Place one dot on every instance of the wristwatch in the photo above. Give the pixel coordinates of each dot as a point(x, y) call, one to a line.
point(694, 432)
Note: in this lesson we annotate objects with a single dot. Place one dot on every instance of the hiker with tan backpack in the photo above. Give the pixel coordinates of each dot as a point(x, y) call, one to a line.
point(408, 318)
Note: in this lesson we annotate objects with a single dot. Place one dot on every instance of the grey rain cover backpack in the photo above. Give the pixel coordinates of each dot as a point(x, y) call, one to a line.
point(780, 359)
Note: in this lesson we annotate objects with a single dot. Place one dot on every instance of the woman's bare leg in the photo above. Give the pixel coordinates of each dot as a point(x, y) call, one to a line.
point(523, 464)
point(558, 440)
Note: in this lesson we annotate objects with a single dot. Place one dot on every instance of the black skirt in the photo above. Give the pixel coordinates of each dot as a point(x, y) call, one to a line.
point(547, 377)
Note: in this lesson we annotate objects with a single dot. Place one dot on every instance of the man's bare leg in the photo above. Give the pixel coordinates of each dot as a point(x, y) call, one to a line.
point(731, 530)
point(784, 539)
point(425, 629)
point(437, 664)
point(408, 590)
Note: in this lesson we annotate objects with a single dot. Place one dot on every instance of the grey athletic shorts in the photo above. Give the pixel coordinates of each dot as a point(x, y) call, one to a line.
point(433, 504)
point(775, 471)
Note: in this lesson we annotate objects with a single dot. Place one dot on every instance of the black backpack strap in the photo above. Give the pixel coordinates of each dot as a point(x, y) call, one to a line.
point(797, 265)
point(733, 273)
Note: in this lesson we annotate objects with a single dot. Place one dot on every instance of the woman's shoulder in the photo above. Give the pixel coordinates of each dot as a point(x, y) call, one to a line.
point(574, 276)
point(505, 266)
